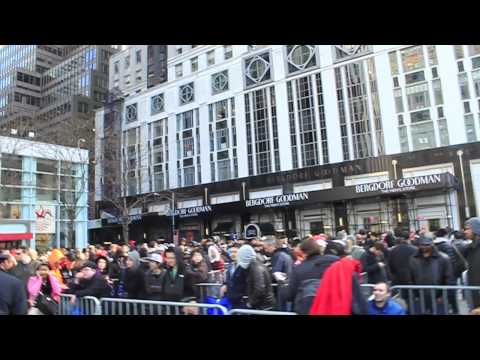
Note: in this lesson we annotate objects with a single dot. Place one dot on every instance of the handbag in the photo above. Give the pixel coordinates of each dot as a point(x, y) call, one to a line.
point(46, 304)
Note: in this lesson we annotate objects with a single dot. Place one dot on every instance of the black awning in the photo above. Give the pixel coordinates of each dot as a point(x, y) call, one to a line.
point(223, 227)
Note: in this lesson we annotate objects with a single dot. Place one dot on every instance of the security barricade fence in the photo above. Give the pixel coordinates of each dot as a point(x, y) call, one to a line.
point(110, 306)
point(435, 300)
point(415, 299)
point(258, 312)
point(87, 305)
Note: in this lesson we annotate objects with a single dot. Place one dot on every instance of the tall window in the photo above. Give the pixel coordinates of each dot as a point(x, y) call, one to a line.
point(132, 161)
point(127, 61)
point(260, 139)
point(138, 56)
point(412, 58)
point(158, 148)
point(223, 140)
point(342, 115)
point(470, 128)
point(115, 67)
point(188, 148)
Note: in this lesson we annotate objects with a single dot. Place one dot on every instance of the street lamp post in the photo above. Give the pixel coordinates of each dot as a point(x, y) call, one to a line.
point(467, 208)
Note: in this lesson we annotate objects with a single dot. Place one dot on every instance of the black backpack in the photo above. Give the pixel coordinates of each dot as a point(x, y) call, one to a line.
point(305, 295)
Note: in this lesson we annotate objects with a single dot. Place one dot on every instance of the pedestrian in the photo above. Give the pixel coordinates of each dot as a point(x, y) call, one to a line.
point(134, 277)
point(13, 295)
point(373, 262)
point(54, 260)
point(429, 267)
point(339, 291)
point(89, 283)
point(45, 285)
point(196, 272)
point(174, 279)
point(154, 278)
point(259, 283)
point(24, 268)
point(235, 287)
point(382, 303)
point(472, 255)
point(305, 278)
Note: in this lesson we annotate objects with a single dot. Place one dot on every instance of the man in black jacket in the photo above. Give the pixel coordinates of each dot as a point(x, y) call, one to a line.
point(174, 279)
point(259, 283)
point(13, 297)
point(400, 256)
point(472, 255)
point(312, 268)
point(428, 266)
point(89, 283)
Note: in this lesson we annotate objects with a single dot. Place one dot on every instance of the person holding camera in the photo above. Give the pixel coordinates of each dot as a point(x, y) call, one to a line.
point(43, 292)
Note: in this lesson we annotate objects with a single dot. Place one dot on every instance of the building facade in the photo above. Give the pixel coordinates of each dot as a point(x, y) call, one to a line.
point(43, 194)
point(288, 136)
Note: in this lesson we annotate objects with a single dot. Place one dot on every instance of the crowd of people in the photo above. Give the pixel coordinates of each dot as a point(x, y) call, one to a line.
point(318, 274)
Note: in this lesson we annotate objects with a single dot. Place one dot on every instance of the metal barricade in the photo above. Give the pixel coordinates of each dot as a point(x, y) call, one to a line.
point(258, 312)
point(87, 305)
point(209, 289)
point(435, 300)
point(110, 306)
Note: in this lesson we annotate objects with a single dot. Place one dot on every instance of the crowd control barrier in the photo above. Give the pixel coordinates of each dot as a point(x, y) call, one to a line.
point(110, 306)
point(435, 300)
point(258, 312)
point(87, 305)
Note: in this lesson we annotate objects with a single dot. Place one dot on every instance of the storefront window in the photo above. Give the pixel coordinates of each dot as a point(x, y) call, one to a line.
point(10, 194)
point(10, 211)
point(47, 181)
point(46, 195)
point(11, 162)
point(9, 177)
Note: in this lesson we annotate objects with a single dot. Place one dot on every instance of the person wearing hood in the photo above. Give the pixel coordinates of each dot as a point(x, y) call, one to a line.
point(134, 279)
point(428, 266)
point(472, 256)
point(259, 283)
point(235, 288)
point(54, 260)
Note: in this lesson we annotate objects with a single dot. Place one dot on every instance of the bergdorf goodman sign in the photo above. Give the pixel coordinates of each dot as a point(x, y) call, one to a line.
point(193, 211)
point(400, 185)
point(279, 200)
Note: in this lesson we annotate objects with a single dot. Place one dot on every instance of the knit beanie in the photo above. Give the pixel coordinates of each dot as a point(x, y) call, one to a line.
point(246, 254)
point(474, 223)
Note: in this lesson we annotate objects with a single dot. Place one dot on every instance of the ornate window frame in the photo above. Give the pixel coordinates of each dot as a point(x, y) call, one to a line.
point(216, 89)
point(305, 66)
point(350, 51)
point(266, 74)
point(157, 104)
point(186, 93)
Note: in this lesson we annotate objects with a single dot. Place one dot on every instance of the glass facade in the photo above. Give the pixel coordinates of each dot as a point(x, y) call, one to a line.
point(28, 184)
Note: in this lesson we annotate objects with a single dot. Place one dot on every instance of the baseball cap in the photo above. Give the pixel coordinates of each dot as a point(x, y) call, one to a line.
point(153, 257)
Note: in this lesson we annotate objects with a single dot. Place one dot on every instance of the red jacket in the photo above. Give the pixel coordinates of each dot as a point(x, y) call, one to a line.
point(334, 295)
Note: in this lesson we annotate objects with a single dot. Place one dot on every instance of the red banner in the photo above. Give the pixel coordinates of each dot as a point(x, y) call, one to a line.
point(16, 236)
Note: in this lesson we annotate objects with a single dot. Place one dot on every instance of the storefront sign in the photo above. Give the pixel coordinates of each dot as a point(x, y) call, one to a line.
point(193, 211)
point(45, 219)
point(252, 231)
point(116, 220)
point(279, 200)
point(400, 185)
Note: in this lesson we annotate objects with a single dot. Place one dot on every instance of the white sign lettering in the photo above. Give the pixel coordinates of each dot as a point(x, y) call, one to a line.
point(406, 184)
point(279, 200)
point(45, 219)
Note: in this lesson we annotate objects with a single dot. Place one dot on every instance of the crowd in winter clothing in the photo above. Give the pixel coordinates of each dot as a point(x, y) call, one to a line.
point(314, 275)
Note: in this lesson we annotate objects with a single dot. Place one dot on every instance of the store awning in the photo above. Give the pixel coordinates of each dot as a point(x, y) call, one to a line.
point(223, 227)
point(16, 236)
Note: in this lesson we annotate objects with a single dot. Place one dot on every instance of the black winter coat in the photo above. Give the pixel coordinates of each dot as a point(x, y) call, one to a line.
point(282, 262)
point(434, 270)
point(97, 286)
point(399, 259)
point(23, 272)
point(173, 288)
point(13, 296)
point(134, 283)
point(375, 272)
point(259, 286)
point(153, 289)
point(236, 285)
point(312, 268)
point(195, 274)
point(472, 255)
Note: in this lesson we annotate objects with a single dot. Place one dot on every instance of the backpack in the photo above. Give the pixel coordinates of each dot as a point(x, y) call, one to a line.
point(305, 295)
